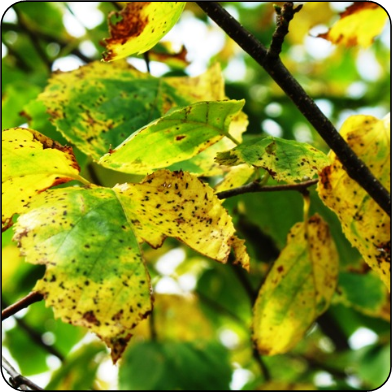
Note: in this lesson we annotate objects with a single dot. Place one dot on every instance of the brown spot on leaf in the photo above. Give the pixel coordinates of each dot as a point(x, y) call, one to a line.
point(130, 25)
point(180, 137)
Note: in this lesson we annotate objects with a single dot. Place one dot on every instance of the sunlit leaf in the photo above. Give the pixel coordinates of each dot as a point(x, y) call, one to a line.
point(139, 27)
point(98, 106)
point(364, 223)
point(285, 160)
point(204, 163)
point(298, 288)
point(237, 176)
point(178, 135)
point(31, 163)
point(359, 24)
point(74, 232)
point(191, 366)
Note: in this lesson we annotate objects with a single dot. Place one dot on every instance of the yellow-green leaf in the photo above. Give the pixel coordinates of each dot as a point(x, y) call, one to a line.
point(31, 163)
point(174, 137)
point(139, 27)
point(364, 223)
point(298, 288)
point(285, 160)
point(98, 106)
point(89, 241)
point(237, 176)
point(204, 163)
point(359, 24)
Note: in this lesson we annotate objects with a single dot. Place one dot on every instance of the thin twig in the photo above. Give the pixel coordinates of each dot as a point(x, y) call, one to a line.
point(21, 304)
point(17, 380)
point(283, 17)
point(354, 166)
point(255, 186)
point(147, 61)
point(34, 38)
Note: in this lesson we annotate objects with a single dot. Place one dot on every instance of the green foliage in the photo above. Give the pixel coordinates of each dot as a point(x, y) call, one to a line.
point(112, 211)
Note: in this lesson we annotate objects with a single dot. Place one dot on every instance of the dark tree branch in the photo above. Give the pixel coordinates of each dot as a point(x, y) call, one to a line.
point(147, 61)
point(354, 166)
point(35, 40)
point(283, 17)
point(255, 186)
point(17, 380)
point(21, 304)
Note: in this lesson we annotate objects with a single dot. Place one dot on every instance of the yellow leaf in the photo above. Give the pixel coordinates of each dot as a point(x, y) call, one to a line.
point(31, 163)
point(237, 176)
point(140, 27)
point(89, 240)
point(359, 24)
point(364, 223)
point(298, 288)
point(183, 207)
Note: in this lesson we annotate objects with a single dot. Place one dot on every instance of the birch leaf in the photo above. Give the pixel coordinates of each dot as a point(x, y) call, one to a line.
point(98, 106)
point(89, 241)
point(359, 24)
point(364, 223)
point(298, 288)
point(285, 160)
point(174, 137)
point(237, 176)
point(139, 27)
point(31, 163)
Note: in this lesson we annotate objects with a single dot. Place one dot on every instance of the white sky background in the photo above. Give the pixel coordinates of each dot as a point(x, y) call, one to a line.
point(195, 34)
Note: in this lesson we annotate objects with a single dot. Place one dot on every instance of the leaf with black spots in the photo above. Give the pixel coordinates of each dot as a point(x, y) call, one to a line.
point(285, 160)
point(364, 223)
point(89, 241)
point(298, 288)
point(31, 163)
point(139, 27)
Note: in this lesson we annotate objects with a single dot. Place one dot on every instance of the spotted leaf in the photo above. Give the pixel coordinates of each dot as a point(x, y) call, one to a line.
point(178, 135)
point(298, 288)
point(359, 24)
point(31, 163)
point(89, 241)
point(364, 223)
point(139, 27)
point(98, 106)
point(285, 160)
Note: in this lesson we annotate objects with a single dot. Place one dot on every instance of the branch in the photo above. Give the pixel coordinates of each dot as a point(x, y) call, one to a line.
point(255, 186)
point(21, 304)
point(283, 17)
point(355, 168)
point(34, 38)
point(17, 380)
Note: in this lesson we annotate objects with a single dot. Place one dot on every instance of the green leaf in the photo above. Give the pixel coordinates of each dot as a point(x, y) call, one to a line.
point(174, 137)
point(98, 106)
point(31, 163)
point(364, 223)
point(95, 276)
point(15, 96)
point(139, 27)
point(298, 288)
point(285, 160)
point(190, 366)
point(364, 292)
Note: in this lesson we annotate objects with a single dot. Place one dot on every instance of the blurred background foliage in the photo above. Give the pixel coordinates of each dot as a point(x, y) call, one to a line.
point(199, 336)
